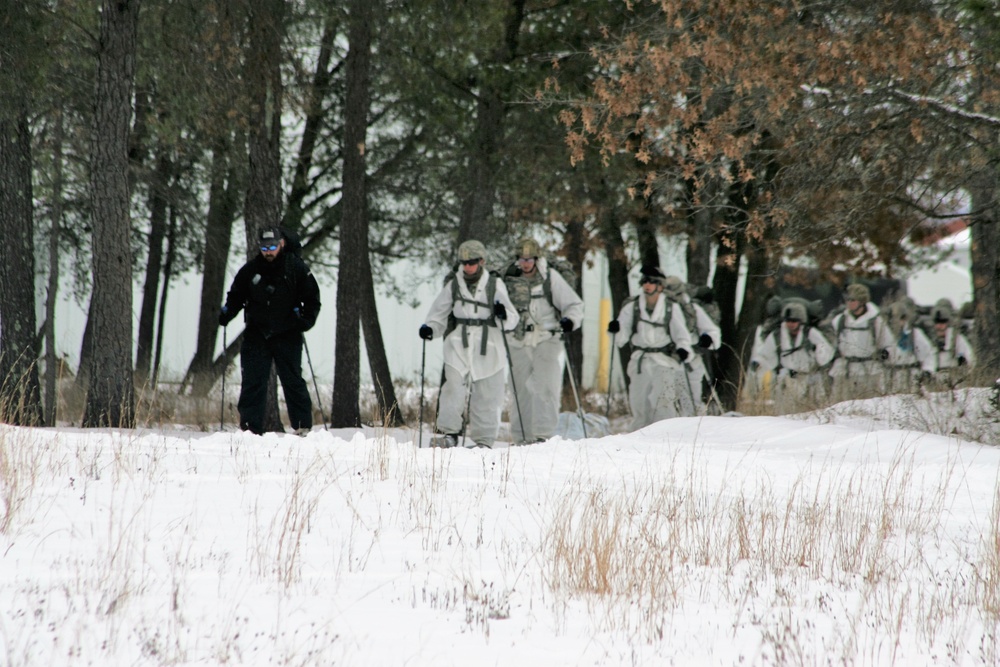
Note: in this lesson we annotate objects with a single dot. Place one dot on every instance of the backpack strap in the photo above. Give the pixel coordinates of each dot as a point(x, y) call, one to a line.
point(670, 349)
point(869, 326)
point(457, 296)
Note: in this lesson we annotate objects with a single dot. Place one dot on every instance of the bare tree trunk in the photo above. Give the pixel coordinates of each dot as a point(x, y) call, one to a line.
point(378, 363)
point(986, 274)
point(574, 246)
point(699, 232)
point(729, 369)
point(52, 292)
point(354, 223)
point(168, 272)
point(111, 393)
point(20, 399)
point(476, 216)
point(263, 200)
point(157, 231)
point(223, 203)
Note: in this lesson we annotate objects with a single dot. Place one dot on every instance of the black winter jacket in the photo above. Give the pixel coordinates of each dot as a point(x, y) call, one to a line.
point(270, 291)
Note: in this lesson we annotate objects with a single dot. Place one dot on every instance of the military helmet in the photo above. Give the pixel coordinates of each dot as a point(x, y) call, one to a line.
point(943, 311)
point(794, 310)
point(652, 274)
point(527, 247)
point(773, 306)
point(857, 291)
point(674, 287)
point(471, 250)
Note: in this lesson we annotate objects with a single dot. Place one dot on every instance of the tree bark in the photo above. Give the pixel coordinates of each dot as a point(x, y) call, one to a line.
point(986, 274)
point(51, 359)
point(476, 217)
point(574, 245)
point(354, 222)
point(263, 200)
point(111, 393)
point(226, 183)
point(157, 231)
point(20, 399)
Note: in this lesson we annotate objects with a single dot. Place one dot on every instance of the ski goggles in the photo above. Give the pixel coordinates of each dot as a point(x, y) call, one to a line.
point(269, 248)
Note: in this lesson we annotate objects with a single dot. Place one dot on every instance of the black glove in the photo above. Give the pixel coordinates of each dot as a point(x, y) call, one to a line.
point(705, 341)
point(305, 324)
point(566, 324)
point(682, 354)
point(925, 377)
point(499, 311)
point(962, 361)
point(754, 365)
point(224, 316)
point(614, 327)
point(883, 354)
point(426, 332)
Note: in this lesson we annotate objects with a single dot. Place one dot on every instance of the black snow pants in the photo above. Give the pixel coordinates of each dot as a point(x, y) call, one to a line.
point(256, 355)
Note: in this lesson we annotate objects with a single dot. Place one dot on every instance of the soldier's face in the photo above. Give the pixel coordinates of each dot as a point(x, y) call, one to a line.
point(527, 265)
point(470, 266)
point(793, 326)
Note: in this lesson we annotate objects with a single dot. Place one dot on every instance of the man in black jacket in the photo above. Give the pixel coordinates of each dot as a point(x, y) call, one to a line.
point(280, 299)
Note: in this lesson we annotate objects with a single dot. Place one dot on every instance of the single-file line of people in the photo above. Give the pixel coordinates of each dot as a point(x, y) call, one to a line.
point(505, 332)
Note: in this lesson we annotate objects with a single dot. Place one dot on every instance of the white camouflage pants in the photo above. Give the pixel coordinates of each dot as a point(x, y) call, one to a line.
point(657, 392)
point(485, 405)
point(537, 379)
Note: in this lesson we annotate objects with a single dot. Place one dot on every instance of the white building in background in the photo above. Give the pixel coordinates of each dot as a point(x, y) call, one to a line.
point(950, 279)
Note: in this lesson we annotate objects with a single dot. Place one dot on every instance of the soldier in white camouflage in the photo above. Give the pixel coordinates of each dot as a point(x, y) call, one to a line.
point(549, 309)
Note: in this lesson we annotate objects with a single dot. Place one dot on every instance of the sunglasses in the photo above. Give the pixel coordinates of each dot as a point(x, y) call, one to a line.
point(470, 262)
point(269, 248)
point(649, 281)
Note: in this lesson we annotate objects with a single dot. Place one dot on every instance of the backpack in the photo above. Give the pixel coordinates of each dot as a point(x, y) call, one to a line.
point(521, 297)
point(519, 291)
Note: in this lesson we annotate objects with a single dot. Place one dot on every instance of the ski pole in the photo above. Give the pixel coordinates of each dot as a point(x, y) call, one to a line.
point(572, 383)
point(686, 369)
point(420, 419)
point(319, 400)
point(611, 368)
point(513, 383)
point(225, 367)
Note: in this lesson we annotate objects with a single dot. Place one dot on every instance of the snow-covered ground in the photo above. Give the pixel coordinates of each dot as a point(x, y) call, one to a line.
point(863, 534)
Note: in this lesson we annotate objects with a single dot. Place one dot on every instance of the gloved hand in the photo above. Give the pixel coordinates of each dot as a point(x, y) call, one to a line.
point(925, 377)
point(224, 316)
point(754, 365)
point(304, 324)
point(426, 332)
point(883, 354)
point(705, 341)
point(962, 361)
point(566, 324)
point(682, 354)
point(614, 327)
point(499, 311)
